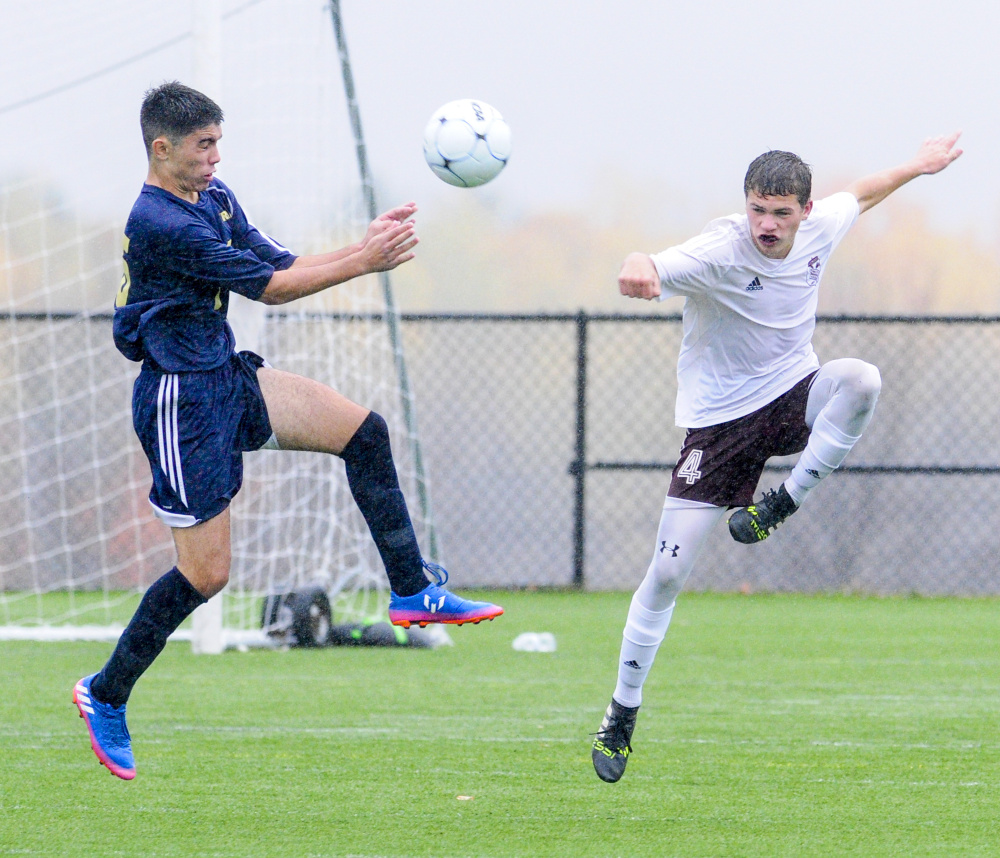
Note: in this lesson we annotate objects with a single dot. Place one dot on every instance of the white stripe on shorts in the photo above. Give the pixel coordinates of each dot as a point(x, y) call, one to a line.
point(167, 435)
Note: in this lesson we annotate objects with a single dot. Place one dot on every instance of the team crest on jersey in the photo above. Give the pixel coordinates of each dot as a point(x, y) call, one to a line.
point(812, 275)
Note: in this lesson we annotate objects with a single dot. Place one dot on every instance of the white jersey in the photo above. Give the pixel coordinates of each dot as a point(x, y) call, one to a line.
point(748, 320)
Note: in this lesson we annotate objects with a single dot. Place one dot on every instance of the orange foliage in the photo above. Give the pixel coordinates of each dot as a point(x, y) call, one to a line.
point(894, 262)
point(473, 259)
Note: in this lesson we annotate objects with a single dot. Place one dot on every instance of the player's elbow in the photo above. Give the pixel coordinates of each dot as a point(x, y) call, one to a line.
point(272, 298)
point(276, 293)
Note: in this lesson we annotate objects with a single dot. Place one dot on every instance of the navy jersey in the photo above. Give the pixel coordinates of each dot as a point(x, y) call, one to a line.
point(181, 262)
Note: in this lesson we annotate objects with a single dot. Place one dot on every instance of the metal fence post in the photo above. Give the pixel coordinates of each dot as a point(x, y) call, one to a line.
point(579, 466)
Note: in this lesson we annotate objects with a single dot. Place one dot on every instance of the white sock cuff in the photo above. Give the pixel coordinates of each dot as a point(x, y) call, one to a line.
point(644, 627)
point(833, 435)
point(628, 695)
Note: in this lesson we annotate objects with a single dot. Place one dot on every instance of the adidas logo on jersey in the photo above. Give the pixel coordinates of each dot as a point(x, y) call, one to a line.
point(754, 285)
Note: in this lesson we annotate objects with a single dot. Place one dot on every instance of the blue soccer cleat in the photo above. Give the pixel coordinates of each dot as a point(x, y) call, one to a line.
point(434, 604)
point(108, 732)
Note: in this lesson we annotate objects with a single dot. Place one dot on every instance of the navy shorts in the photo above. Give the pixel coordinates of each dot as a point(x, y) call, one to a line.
point(722, 464)
point(194, 428)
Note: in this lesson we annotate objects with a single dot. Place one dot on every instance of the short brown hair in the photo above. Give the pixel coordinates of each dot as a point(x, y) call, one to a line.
point(779, 174)
point(173, 110)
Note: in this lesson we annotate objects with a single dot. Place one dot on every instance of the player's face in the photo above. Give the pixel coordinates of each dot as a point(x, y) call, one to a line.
point(774, 221)
point(191, 162)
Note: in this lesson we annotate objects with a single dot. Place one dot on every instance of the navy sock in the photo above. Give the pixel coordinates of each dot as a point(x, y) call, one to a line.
point(163, 608)
point(371, 475)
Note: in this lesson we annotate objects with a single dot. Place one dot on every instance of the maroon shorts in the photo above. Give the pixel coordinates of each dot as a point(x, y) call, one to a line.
point(722, 464)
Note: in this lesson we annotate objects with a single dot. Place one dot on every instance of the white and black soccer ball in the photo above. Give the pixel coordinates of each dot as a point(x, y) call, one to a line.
point(466, 143)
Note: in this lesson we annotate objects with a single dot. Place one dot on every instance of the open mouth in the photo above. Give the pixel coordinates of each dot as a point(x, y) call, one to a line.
point(768, 240)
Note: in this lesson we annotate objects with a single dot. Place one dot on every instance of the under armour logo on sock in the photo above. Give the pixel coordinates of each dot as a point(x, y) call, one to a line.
point(633, 664)
point(673, 551)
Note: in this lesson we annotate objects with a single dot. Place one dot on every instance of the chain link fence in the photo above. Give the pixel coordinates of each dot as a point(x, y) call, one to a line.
point(547, 443)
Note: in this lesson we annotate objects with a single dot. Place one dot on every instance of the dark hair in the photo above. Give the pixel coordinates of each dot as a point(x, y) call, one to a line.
point(779, 174)
point(173, 110)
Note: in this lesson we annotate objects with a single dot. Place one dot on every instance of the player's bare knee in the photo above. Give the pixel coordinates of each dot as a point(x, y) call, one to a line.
point(208, 576)
point(212, 583)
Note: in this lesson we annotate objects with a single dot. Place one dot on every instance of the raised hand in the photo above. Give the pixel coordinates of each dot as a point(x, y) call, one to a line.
point(390, 245)
point(936, 153)
point(393, 217)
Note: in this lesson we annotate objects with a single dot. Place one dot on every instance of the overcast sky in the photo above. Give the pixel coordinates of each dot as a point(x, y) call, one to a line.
point(678, 95)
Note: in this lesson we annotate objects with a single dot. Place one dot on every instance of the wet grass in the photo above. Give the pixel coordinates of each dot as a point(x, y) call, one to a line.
point(771, 726)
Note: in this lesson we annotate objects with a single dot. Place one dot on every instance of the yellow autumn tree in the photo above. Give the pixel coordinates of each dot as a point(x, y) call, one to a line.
point(471, 258)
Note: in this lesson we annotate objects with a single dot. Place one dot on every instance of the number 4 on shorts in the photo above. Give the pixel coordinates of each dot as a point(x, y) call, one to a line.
point(689, 470)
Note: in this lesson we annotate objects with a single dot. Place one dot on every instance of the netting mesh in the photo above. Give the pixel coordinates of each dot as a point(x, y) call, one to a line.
point(912, 510)
point(73, 483)
point(295, 521)
point(71, 476)
point(497, 400)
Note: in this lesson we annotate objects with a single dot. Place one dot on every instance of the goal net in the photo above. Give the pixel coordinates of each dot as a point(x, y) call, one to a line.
point(78, 541)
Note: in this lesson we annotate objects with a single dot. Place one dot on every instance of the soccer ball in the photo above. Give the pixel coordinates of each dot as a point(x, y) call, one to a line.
point(466, 143)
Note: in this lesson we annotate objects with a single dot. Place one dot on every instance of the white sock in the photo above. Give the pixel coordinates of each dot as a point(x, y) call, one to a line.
point(841, 403)
point(644, 632)
point(684, 527)
point(825, 452)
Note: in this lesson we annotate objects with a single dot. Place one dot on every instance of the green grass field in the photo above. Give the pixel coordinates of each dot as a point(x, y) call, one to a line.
point(771, 726)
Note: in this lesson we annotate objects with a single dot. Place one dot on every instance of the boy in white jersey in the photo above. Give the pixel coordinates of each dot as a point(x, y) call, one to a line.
point(749, 385)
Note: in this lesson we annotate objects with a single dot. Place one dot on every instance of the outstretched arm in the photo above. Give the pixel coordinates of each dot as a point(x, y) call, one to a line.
point(934, 155)
point(638, 277)
point(384, 221)
point(388, 243)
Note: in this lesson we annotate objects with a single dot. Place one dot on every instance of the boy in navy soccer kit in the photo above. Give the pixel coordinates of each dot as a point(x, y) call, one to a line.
point(198, 405)
point(181, 260)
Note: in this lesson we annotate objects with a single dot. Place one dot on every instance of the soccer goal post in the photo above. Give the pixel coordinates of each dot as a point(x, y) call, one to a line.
point(78, 541)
